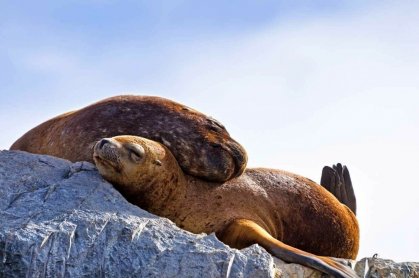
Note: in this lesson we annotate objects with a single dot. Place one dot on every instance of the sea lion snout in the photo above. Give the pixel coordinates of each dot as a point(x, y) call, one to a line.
point(102, 142)
point(231, 158)
point(105, 151)
point(105, 146)
point(224, 157)
point(239, 156)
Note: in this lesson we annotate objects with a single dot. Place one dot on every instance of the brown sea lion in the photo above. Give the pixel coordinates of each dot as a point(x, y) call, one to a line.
point(282, 212)
point(201, 145)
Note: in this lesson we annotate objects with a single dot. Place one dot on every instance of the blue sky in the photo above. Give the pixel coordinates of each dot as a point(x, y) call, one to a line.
point(300, 84)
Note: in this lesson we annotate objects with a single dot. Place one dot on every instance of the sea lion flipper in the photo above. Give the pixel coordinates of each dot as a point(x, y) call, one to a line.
point(349, 190)
point(343, 196)
point(338, 182)
point(242, 233)
point(332, 182)
point(328, 179)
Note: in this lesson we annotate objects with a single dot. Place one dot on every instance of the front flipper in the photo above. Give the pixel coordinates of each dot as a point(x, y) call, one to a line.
point(338, 182)
point(242, 233)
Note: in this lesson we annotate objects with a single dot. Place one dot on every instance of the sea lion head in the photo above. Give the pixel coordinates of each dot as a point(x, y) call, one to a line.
point(135, 164)
point(220, 157)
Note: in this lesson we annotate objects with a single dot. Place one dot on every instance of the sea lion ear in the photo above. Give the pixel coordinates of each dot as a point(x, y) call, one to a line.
point(157, 162)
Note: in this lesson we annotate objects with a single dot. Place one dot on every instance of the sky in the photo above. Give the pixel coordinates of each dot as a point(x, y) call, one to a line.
point(300, 84)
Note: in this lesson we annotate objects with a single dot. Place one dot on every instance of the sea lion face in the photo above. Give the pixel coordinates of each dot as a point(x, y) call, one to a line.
point(133, 163)
point(216, 150)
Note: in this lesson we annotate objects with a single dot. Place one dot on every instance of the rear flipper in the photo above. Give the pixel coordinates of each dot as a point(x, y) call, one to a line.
point(338, 182)
point(242, 233)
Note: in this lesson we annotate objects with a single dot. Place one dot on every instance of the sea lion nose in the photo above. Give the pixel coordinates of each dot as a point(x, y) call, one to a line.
point(103, 142)
point(239, 156)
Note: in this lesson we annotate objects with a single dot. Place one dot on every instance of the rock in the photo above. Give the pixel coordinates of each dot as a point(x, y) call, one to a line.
point(377, 268)
point(286, 270)
point(60, 219)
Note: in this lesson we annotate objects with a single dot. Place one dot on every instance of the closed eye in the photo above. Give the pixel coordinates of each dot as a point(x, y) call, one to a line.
point(136, 152)
point(135, 156)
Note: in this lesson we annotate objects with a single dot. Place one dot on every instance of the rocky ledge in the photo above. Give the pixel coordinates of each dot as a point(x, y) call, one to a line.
point(61, 219)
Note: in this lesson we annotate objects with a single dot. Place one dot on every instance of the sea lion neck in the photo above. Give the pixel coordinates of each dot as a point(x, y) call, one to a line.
point(161, 193)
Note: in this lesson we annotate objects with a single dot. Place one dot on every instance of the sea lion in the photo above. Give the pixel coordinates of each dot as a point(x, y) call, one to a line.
point(201, 145)
point(281, 211)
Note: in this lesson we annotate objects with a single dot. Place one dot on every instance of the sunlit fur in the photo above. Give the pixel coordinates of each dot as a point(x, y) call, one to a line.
point(279, 210)
point(202, 146)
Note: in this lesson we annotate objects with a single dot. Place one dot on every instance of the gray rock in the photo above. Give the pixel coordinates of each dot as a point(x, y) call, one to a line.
point(382, 268)
point(286, 270)
point(60, 219)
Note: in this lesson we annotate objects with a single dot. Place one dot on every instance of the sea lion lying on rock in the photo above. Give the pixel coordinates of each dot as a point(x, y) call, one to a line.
point(200, 144)
point(281, 211)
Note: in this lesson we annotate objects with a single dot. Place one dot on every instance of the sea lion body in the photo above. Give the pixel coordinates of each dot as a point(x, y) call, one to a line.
point(289, 207)
point(271, 207)
point(201, 145)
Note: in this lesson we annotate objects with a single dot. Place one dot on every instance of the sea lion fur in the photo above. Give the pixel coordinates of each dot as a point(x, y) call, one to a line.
point(201, 145)
point(283, 212)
